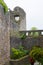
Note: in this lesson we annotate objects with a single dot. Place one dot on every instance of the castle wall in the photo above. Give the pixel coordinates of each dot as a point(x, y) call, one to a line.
point(4, 38)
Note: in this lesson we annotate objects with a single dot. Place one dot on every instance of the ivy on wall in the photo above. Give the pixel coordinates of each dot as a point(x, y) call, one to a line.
point(4, 5)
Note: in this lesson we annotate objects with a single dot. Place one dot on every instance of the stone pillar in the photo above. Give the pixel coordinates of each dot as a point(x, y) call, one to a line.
point(4, 39)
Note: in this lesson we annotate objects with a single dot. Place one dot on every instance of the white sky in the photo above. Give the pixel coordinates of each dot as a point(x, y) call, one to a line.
point(33, 9)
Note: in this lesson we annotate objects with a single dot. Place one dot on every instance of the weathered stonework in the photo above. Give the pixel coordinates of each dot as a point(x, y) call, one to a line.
point(9, 27)
point(20, 25)
point(4, 39)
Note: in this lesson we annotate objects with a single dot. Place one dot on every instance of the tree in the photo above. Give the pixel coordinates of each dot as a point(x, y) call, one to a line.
point(4, 5)
point(33, 28)
point(34, 34)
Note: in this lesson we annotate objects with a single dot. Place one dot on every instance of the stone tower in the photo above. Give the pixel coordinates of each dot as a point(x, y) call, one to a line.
point(17, 21)
point(19, 12)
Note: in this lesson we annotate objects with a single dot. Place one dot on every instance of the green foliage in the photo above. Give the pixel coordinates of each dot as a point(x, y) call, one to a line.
point(37, 54)
point(4, 5)
point(21, 48)
point(33, 28)
point(18, 53)
point(23, 36)
point(34, 34)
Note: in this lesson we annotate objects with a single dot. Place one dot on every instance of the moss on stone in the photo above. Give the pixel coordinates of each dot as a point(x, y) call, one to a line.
point(4, 5)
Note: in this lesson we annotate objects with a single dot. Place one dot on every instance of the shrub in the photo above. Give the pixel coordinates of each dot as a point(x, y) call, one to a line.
point(34, 34)
point(18, 53)
point(37, 54)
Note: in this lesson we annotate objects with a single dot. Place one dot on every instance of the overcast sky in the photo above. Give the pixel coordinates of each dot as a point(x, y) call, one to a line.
point(33, 9)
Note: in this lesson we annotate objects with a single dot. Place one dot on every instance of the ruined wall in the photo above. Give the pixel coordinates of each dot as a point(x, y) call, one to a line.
point(9, 28)
point(4, 38)
point(22, 23)
point(16, 26)
point(15, 42)
point(28, 43)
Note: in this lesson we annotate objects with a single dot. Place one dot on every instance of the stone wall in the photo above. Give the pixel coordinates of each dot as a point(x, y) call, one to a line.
point(4, 38)
point(28, 43)
point(15, 42)
point(16, 26)
point(10, 27)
